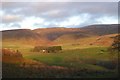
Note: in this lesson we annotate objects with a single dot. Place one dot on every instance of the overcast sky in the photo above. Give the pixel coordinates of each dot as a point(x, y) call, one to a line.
point(32, 15)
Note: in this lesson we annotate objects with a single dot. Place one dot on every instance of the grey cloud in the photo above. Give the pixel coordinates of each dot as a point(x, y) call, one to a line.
point(70, 9)
point(67, 8)
point(59, 11)
point(11, 18)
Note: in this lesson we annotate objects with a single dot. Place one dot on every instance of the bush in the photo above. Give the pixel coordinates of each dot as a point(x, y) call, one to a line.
point(54, 48)
point(39, 48)
point(47, 48)
point(116, 44)
point(10, 52)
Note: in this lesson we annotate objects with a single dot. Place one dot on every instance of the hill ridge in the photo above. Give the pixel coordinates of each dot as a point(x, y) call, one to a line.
point(47, 35)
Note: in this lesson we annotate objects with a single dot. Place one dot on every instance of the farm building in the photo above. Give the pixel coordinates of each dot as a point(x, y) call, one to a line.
point(47, 49)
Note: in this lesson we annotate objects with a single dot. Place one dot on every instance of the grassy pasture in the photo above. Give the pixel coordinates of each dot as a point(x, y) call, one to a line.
point(78, 58)
point(72, 56)
point(81, 60)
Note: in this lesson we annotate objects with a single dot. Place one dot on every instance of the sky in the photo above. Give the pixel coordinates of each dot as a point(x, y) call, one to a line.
point(32, 15)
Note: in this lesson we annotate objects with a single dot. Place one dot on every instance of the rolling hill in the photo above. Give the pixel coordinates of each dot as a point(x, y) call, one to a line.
point(19, 33)
point(90, 35)
point(25, 36)
point(52, 35)
point(101, 29)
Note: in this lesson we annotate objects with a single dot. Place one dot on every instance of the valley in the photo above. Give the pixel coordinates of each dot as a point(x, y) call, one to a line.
point(84, 52)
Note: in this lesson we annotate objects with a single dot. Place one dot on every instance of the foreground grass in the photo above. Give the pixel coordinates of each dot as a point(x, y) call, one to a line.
point(15, 71)
point(79, 58)
point(87, 62)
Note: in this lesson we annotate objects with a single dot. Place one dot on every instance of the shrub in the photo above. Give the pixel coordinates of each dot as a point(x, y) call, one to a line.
point(10, 52)
point(47, 48)
point(116, 44)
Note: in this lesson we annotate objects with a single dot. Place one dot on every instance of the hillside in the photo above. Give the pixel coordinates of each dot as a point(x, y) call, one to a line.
point(101, 29)
point(92, 30)
point(54, 33)
point(25, 36)
point(47, 36)
point(19, 33)
point(90, 34)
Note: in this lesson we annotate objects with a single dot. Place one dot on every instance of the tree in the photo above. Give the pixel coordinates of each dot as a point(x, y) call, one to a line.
point(54, 48)
point(116, 44)
point(115, 50)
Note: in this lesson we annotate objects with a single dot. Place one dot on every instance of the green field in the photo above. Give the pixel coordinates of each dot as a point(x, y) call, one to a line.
point(78, 58)
point(94, 58)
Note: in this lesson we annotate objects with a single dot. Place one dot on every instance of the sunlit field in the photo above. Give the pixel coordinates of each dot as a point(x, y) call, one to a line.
point(94, 61)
